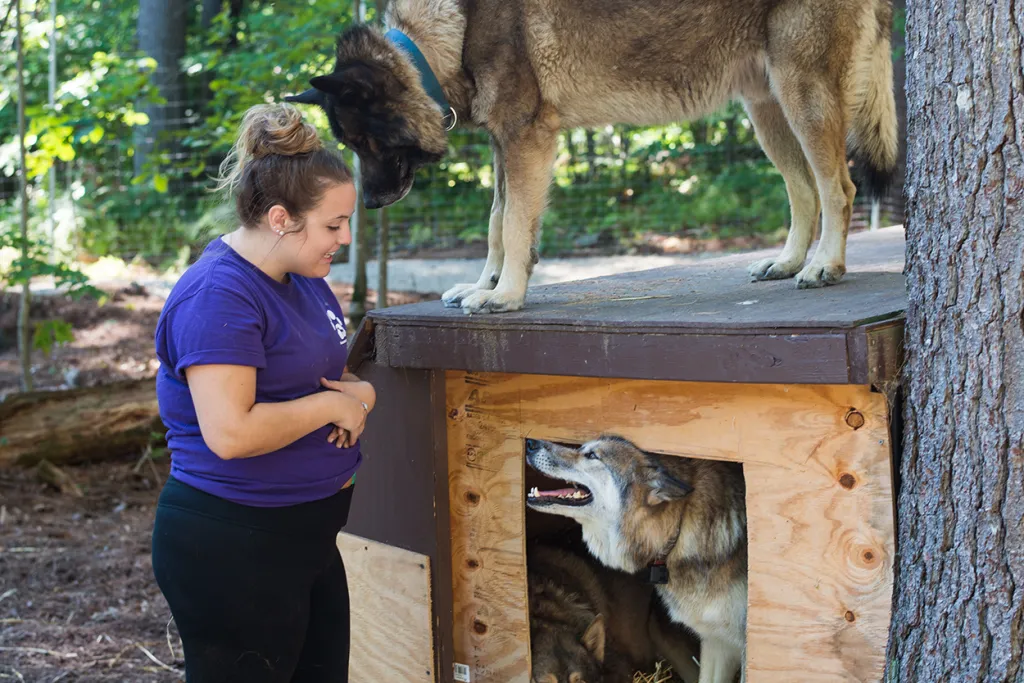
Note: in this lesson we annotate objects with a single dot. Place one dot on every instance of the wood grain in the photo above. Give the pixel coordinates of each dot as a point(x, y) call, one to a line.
point(79, 425)
point(819, 500)
point(389, 590)
point(487, 506)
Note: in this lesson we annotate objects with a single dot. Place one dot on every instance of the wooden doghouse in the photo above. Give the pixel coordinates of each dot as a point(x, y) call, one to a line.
point(694, 360)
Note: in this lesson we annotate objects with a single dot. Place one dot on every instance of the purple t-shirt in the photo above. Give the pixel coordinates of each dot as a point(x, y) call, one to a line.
point(225, 310)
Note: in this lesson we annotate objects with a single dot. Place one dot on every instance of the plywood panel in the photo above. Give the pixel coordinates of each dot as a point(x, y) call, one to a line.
point(487, 504)
point(819, 497)
point(389, 590)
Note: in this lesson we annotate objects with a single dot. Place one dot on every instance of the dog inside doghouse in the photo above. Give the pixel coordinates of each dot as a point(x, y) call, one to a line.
point(636, 564)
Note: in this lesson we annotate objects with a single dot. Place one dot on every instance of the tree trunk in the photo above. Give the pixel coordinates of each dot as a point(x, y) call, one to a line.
point(383, 244)
point(25, 303)
point(78, 425)
point(161, 32)
point(360, 243)
point(959, 609)
point(211, 8)
point(899, 72)
point(591, 155)
point(383, 223)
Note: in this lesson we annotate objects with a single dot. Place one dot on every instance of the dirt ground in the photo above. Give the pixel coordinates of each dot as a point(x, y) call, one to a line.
point(78, 601)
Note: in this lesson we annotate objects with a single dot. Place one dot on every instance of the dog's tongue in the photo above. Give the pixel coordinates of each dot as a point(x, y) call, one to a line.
point(558, 493)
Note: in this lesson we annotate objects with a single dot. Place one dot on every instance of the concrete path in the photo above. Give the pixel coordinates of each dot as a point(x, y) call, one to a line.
point(427, 276)
point(434, 276)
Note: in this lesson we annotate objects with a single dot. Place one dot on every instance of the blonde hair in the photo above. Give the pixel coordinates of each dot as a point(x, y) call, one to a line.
point(278, 158)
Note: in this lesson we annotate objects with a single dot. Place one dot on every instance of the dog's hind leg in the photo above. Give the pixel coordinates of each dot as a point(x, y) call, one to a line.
point(813, 105)
point(673, 644)
point(719, 661)
point(528, 160)
point(783, 149)
point(495, 248)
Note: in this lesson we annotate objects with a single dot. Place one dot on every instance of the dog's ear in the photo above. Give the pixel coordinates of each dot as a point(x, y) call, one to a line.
point(664, 488)
point(354, 84)
point(594, 638)
point(311, 96)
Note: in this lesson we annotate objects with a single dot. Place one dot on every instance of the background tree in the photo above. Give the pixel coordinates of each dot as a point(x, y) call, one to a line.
point(162, 26)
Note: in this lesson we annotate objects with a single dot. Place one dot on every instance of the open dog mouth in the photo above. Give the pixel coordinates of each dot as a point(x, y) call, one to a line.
point(577, 495)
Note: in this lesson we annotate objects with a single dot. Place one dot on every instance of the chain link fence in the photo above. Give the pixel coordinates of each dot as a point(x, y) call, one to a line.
point(134, 154)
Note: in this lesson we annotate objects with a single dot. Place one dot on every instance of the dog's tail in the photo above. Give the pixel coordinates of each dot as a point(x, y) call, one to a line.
point(873, 126)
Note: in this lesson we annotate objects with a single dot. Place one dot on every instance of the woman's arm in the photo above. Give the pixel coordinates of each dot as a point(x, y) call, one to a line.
point(235, 426)
point(350, 384)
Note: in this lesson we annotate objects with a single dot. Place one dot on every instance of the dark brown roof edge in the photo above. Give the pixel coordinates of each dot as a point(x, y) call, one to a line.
point(816, 357)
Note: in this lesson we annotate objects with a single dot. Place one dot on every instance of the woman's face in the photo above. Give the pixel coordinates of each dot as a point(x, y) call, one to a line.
point(309, 251)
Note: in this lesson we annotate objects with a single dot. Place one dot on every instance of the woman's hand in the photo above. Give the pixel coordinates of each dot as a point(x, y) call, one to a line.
point(349, 421)
point(352, 386)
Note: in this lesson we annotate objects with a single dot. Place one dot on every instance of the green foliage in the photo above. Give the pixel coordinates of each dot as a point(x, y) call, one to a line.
point(708, 176)
point(32, 262)
point(51, 333)
point(899, 26)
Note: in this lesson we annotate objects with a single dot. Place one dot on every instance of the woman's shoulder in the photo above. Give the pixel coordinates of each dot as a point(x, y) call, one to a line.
point(213, 275)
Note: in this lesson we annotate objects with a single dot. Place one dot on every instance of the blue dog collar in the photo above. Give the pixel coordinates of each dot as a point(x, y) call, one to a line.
point(427, 77)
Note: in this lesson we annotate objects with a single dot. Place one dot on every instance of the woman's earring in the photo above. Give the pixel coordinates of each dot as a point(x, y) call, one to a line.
point(279, 231)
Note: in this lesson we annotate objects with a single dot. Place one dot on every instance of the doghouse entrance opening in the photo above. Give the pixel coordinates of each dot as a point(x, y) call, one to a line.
point(631, 642)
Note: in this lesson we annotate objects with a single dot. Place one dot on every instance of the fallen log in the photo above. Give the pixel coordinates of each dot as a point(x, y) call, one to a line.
point(79, 425)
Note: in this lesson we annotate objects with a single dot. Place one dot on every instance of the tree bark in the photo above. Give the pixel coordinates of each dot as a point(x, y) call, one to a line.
point(161, 33)
point(211, 8)
point(25, 303)
point(360, 243)
point(959, 608)
point(79, 425)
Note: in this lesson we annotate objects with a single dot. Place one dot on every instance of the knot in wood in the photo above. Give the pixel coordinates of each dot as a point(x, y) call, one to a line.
point(855, 418)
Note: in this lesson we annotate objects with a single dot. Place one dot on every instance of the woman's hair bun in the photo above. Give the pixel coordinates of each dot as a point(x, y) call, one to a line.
point(267, 130)
point(277, 129)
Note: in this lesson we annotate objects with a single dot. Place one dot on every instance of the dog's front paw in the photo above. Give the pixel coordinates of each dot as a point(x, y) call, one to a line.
point(454, 296)
point(492, 301)
point(774, 268)
point(820, 275)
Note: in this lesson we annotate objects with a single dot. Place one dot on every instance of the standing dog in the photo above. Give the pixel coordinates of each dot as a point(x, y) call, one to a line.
point(638, 510)
point(813, 76)
point(589, 623)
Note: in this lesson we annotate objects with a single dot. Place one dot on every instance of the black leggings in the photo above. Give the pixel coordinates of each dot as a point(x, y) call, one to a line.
point(259, 595)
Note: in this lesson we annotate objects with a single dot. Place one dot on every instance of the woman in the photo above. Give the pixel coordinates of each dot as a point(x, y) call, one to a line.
point(263, 421)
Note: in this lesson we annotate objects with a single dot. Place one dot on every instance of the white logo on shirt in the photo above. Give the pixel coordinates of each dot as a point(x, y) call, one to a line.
point(338, 324)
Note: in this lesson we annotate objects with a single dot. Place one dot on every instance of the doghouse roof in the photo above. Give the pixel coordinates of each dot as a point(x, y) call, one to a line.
point(705, 321)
